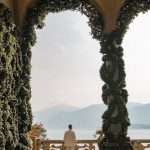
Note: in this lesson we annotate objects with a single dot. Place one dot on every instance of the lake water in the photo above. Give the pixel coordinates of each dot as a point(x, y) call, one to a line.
point(89, 134)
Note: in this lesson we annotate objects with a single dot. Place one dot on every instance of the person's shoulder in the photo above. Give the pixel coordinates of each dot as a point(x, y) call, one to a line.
point(66, 131)
point(73, 131)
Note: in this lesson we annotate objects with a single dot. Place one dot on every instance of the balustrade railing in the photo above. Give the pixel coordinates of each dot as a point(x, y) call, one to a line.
point(138, 144)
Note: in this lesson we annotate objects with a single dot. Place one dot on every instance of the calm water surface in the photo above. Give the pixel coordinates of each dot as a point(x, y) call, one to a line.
point(89, 134)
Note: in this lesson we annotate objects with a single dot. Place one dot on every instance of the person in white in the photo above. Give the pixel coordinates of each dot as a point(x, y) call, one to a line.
point(69, 139)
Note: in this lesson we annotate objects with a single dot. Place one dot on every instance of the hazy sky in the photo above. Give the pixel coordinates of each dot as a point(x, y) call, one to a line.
point(66, 62)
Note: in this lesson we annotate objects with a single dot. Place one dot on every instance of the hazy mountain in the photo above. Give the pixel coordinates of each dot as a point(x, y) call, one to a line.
point(140, 114)
point(49, 113)
point(60, 116)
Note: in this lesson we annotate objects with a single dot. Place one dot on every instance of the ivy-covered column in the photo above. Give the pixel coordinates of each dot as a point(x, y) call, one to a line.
point(26, 41)
point(15, 93)
point(9, 136)
point(115, 118)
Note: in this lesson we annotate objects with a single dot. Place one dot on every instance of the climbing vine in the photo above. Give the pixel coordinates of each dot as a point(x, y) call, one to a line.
point(9, 69)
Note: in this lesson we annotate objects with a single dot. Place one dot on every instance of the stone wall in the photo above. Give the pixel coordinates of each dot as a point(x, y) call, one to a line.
point(15, 91)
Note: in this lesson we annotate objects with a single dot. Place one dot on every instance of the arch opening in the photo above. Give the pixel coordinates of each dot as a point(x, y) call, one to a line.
point(65, 68)
point(136, 55)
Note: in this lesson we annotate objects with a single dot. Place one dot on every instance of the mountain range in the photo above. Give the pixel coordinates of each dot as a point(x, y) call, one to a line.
point(59, 116)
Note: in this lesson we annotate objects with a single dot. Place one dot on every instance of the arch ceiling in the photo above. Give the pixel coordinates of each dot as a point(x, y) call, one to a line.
point(105, 16)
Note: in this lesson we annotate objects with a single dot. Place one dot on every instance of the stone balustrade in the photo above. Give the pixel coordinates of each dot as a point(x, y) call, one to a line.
point(138, 144)
point(58, 144)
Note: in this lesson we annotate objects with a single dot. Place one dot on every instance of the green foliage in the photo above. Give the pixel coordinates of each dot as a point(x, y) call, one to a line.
point(8, 71)
point(15, 110)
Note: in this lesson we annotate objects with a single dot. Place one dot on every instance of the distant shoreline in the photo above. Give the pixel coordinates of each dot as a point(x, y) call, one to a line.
point(139, 126)
point(133, 127)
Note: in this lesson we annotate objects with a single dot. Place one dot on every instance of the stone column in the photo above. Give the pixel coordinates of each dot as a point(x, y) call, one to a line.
point(115, 118)
point(15, 111)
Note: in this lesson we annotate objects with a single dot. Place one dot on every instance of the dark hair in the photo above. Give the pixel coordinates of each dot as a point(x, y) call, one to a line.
point(70, 126)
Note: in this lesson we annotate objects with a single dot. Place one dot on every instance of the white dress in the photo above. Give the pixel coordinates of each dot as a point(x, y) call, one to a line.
point(69, 140)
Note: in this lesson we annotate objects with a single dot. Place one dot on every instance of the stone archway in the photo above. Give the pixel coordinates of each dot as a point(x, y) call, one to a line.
point(15, 47)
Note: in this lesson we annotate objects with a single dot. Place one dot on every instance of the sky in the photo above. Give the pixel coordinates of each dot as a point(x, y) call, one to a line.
point(66, 62)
